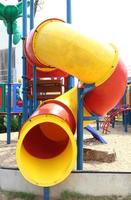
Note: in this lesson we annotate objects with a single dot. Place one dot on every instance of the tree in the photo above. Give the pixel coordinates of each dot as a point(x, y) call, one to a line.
point(38, 4)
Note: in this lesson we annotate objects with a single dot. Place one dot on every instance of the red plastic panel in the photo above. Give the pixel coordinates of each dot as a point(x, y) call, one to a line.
point(42, 74)
point(29, 49)
point(38, 145)
point(104, 97)
point(57, 108)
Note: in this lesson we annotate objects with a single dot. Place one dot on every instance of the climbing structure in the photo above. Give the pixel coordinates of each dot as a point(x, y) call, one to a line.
point(47, 137)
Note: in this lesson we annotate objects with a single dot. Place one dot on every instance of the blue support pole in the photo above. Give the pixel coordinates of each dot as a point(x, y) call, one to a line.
point(80, 130)
point(113, 122)
point(68, 11)
point(80, 118)
point(25, 84)
point(90, 118)
point(31, 27)
point(71, 81)
point(30, 106)
point(97, 124)
point(19, 121)
point(46, 192)
point(126, 121)
point(35, 103)
point(31, 14)
point(125, 113)
point(9, 89)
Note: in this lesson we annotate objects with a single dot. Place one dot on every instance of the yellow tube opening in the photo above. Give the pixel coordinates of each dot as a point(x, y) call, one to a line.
point(42, 160)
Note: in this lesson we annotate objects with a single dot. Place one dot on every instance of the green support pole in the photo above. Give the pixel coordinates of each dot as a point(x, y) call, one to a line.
point(3, 88)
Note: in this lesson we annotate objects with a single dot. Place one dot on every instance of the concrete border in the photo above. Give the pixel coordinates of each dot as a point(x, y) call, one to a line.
point(92, 183)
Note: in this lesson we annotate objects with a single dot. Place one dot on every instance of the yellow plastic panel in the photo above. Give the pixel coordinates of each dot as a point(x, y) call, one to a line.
point(58, 44)
point(70, 99)
point(46, 172)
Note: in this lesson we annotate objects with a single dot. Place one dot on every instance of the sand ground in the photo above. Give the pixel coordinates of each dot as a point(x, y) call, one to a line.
point(117, 140)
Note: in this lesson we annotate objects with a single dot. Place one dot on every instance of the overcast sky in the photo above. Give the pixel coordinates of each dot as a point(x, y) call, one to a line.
point(108, 20)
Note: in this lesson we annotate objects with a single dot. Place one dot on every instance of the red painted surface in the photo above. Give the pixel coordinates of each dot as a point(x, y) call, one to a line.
point(0, 97)
point(104, 97)
point(38, 145)
point(58, 109)
point(28, 47)
point(42, 74)
point(48, 139)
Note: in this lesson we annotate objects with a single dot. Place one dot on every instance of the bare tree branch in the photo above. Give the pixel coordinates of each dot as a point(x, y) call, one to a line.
point(37, 4)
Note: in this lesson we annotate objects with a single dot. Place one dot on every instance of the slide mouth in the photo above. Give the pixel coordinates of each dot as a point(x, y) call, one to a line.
point(30, 51)
point(46, 140)
point(46, 157)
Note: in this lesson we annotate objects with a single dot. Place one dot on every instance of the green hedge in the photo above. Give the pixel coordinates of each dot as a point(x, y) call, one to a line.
point(2, 127)
point(3, 124)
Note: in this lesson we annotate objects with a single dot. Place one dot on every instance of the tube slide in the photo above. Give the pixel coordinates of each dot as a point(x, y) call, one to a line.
point(46, 149)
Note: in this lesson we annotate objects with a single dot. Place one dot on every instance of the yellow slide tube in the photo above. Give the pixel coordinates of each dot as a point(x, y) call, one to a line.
point(57, 44)
point(70, 99)
point(46, 150)
point(47, 130)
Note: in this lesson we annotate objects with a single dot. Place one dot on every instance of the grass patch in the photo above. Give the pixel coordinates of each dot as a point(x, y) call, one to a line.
point(21, 195)
point(66, 195)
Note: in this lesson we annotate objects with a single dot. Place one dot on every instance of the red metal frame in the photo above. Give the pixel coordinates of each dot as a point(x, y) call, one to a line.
point(110, 117)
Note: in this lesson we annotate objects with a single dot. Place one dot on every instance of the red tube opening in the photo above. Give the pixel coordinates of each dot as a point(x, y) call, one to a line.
point(46, 140)
point(59, 109)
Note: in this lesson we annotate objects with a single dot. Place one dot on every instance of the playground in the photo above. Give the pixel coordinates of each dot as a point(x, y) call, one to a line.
point(116, 139)
point(65, 114)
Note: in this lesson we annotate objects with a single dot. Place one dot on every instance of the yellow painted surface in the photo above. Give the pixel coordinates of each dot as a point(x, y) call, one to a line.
point(70, 99)
point(57, 44)
point(46, 172)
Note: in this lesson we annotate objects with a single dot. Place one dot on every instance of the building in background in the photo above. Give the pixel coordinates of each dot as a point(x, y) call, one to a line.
point(4, 66)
